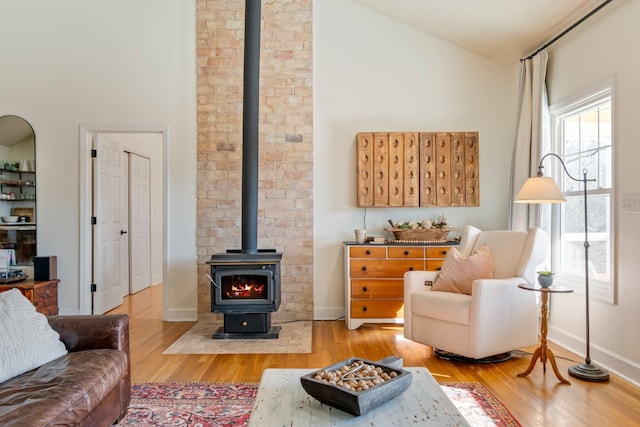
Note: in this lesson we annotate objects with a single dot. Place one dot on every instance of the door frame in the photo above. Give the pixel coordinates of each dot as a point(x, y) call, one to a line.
point(86, 189)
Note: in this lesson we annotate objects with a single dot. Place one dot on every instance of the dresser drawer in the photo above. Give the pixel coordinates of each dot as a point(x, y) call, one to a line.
point(406, 252)
point(380, 308)
point(368, 252)
point(434, 264)
point(383, 269)
point(365, 288)
point(438, 251)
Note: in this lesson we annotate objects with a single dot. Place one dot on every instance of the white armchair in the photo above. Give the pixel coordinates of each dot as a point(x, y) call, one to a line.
point(498, 316)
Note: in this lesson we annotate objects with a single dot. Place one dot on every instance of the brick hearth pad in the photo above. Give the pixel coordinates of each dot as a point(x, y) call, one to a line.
point(295, 337)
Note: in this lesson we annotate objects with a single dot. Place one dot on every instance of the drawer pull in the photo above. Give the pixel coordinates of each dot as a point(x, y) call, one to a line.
point(368, 252)
point(406, 252)
point(410, 268)
point(45, 295)
point(365, 289)
point(364, 268)
point(364, 308)
point(439, 268)
point(444, 252)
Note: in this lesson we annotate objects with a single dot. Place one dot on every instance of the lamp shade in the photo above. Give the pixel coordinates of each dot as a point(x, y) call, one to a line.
point(540, 189)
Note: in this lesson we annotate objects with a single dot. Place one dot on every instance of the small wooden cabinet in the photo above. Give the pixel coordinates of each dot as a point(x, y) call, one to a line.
point(374, 285)
point(42, 294)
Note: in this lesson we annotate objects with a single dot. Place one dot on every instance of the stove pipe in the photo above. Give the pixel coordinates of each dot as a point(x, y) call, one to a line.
point(250, 118)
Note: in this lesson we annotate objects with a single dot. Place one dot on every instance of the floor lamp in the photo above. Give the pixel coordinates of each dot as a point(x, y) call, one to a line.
point(543, 189)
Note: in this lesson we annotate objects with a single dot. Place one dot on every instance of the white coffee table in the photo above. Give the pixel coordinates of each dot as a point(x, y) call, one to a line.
point(281, 401)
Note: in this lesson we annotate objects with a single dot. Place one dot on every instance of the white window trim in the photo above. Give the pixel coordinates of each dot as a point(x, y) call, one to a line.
point(598, 290)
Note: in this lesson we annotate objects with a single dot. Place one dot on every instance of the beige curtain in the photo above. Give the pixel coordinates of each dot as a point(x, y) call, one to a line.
point(532, 138)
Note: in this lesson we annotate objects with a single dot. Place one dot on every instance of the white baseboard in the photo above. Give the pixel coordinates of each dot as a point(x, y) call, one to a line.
point(328, 313)
point(182, 315)
point(614, 363)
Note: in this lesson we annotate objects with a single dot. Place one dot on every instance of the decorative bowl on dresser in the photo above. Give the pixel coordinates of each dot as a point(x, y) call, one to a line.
point(421, 235)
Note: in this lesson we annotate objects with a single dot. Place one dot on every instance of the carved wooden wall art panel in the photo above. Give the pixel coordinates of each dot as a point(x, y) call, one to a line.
point(417, 169)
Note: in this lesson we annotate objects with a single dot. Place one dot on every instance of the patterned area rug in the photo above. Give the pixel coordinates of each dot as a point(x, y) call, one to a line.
point(294, 337)
point(229, 405)
point(478, 405)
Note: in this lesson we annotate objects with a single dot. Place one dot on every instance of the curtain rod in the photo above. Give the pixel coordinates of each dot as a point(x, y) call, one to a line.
point(556, 38)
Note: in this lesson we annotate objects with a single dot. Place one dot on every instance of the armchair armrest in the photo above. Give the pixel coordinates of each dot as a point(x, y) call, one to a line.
point(500, 309)
point(495, 294)
point(415, 281)
point(85, 332)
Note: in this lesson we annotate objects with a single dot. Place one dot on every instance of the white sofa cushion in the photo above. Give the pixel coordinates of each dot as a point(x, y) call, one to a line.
point(27, 340)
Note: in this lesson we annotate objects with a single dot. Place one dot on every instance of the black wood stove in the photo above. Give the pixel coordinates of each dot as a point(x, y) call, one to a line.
point(245, 283)
point(246, 288)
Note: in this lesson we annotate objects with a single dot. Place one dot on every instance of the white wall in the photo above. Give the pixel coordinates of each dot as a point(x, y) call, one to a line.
point(104, 62)
point(374, 74)
point(23, 150)
point(582, 60)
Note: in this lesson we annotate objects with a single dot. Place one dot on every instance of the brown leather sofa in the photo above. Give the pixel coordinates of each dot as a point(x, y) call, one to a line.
point(89, 386)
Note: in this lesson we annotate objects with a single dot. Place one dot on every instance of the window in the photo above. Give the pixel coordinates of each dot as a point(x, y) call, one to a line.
point(582, 134)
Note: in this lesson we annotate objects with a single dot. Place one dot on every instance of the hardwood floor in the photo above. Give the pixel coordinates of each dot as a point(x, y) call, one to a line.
point(536, 400)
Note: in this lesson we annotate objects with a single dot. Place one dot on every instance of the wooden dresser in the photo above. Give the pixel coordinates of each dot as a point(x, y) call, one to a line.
point(42, 294)
point(374, 285)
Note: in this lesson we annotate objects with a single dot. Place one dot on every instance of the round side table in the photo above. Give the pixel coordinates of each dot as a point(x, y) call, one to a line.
point(543, 352)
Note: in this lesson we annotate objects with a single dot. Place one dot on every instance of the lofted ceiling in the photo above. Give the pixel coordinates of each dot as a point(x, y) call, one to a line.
point(503, 30)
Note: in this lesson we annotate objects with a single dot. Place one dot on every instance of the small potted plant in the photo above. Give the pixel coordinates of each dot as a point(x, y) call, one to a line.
point(545, 278)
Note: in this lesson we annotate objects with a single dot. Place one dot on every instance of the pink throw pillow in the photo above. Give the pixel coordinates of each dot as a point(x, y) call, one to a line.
point(459, 272)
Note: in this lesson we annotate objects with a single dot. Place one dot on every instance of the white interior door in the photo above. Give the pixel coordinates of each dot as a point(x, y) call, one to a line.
point(110, 243)
point(139, 222)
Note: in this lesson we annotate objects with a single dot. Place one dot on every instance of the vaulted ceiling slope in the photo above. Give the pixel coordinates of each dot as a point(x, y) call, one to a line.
point(503, 30)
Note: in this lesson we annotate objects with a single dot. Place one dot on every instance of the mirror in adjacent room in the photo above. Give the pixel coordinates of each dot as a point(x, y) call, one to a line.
point(18, 189)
